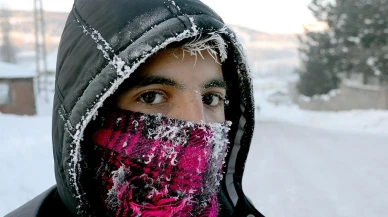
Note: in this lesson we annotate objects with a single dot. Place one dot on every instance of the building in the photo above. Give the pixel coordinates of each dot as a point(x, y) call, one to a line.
point(17, 90)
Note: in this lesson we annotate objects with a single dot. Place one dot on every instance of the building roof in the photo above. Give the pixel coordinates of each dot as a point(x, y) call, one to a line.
point(8, 70)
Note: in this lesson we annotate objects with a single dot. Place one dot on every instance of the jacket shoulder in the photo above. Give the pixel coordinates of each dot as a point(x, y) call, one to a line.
point(33, 208)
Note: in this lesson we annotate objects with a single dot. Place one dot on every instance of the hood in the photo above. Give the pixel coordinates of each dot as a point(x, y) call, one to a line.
point(101, 45)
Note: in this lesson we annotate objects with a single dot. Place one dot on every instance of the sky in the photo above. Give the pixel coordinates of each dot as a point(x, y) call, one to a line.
point(271, 16)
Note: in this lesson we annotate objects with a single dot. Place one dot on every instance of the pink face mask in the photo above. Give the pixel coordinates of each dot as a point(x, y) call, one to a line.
point(148, 165)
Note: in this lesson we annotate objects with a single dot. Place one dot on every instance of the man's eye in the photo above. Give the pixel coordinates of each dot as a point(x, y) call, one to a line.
point(212, 100)
point(152, 97)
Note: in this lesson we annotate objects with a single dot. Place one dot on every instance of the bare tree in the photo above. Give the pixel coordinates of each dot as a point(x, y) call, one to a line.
point(7, 51)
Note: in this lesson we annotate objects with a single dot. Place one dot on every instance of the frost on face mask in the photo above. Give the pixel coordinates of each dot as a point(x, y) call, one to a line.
point(156, 166)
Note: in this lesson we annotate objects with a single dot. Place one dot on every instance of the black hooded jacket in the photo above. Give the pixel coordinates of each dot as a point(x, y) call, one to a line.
point(102, 44)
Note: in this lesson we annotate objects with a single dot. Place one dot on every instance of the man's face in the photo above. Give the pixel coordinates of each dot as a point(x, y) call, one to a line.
point(178, 86)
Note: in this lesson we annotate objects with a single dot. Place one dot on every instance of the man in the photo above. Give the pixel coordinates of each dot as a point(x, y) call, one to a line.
point(153, 113)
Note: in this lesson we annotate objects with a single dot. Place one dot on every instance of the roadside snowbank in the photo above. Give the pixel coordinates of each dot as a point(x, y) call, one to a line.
point(360, 121)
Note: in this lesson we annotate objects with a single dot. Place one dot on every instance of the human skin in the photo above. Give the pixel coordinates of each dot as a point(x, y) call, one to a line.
point(178, 85)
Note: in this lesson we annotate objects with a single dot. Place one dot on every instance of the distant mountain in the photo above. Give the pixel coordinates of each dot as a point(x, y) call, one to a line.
point(268, 54)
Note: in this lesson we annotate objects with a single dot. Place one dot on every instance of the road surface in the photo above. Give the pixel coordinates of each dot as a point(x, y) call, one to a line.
point(296, 171)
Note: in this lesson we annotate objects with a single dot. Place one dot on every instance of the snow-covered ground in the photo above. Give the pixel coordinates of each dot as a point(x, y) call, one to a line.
point(299, 171)
point(301, 163)
point(362, 121)
point(26, 164)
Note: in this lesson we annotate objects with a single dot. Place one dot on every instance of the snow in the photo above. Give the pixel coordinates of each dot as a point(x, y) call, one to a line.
point(299, 171)
point(371, 62)
point(325, 97)
point(26, 159)
point(8, 70)
point(368, 21)
point(356, 40)
point(361, 121)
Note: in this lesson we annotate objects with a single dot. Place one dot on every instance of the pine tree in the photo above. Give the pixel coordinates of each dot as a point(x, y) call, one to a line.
point(361, 29)
point(318, 59)
point(355, 42)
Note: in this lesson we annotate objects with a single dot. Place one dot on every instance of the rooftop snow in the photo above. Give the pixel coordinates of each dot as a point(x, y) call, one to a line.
point(8, 70)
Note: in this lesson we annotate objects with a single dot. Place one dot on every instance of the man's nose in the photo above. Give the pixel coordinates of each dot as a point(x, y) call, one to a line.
point(188, 107)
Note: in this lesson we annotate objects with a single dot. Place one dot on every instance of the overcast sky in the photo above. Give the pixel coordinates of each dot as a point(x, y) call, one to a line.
point(272, 16)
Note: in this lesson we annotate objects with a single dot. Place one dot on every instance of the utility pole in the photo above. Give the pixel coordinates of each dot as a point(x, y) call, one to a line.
point(40, 47)
point(7, 51)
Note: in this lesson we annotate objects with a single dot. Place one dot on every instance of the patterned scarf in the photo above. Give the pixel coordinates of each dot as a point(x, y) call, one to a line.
point(149, 165)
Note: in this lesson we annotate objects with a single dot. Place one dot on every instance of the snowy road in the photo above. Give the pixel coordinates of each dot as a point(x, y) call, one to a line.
point(296, 171)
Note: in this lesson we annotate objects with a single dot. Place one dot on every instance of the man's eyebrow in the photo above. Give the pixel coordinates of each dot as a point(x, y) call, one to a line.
point(152, 79)
point(215, 83)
